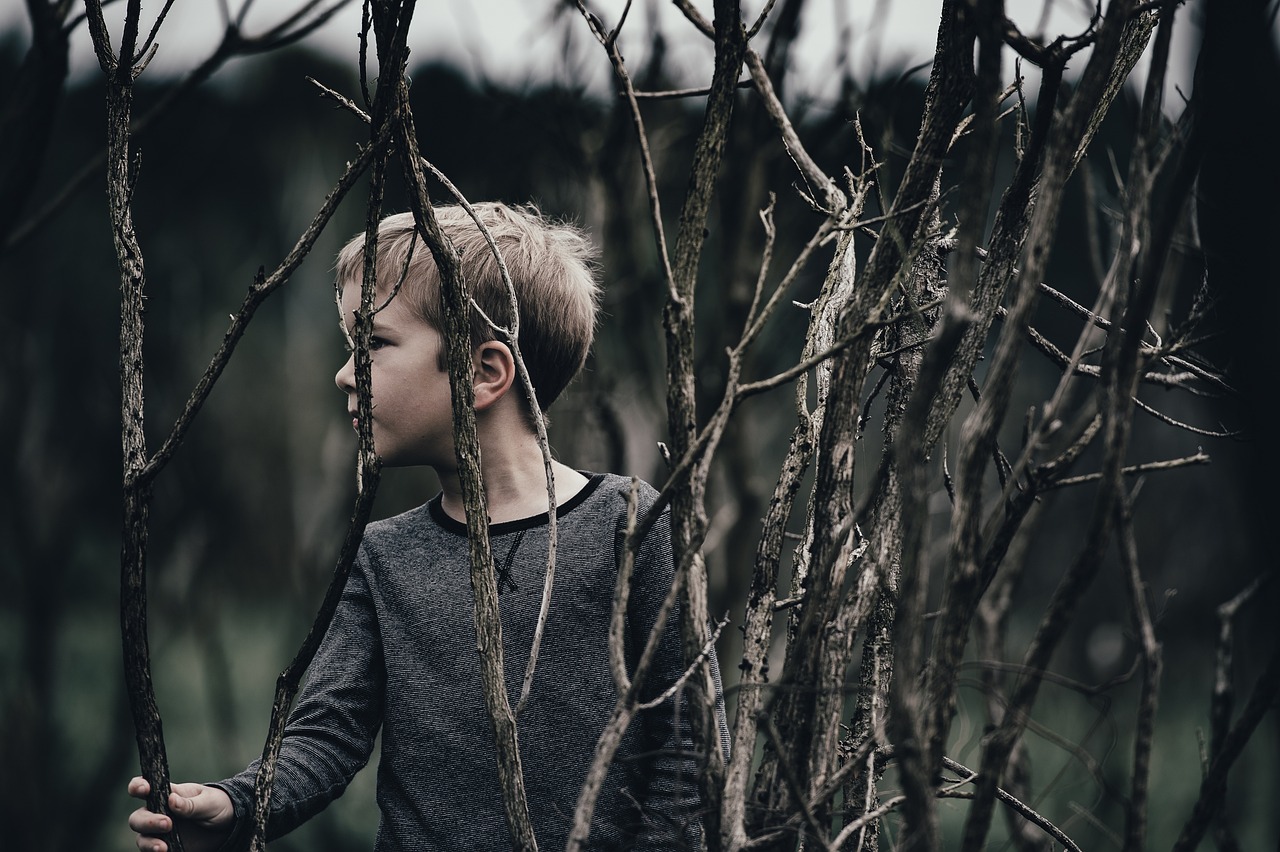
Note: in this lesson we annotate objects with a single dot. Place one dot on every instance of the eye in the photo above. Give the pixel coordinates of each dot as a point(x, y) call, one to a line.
point(375, 343)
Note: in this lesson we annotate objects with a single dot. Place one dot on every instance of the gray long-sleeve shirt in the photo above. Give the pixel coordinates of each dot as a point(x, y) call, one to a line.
point(401, 655)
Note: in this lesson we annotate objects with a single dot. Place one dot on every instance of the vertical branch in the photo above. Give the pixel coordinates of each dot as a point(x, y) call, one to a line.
point(688, 521)
point(1120, 365)
point(991, 627)
point(1135, 835)
point(610, 42)
point(1071, 128)
point(628, 688)
point(826, 549)
point(678, 315)
point(897, 570)
point(757, 631)
point(910, 708)
point(289, 680)
point(119, 72)
point(1213, 788)
point(140, 470)
point(867, 725)
point(455, 302)
point(368, 469)
point(512, 336)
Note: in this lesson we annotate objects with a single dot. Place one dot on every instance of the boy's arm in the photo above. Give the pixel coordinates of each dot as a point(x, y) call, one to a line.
point(332, 728)
point(671, 803)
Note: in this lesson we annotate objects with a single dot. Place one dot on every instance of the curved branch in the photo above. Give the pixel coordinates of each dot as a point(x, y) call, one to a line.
point(262, 287)
point(1021, 807)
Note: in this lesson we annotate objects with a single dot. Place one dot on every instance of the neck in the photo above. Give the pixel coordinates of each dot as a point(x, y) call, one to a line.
point(515, 480)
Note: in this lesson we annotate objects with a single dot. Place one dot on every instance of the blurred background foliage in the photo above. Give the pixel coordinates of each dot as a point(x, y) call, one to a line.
point(247, 520)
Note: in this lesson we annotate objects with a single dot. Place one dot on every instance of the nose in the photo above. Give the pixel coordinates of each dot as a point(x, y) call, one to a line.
point(346, 377)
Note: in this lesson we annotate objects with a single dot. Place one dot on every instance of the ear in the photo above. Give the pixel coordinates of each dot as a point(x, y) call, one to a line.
point(495, 372)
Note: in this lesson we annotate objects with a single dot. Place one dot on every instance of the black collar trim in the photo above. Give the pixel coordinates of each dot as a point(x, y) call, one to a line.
point(541, 520)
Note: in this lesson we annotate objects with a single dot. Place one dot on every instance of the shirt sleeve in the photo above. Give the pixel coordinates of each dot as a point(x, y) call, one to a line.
point(670, 805)
point(331, 731)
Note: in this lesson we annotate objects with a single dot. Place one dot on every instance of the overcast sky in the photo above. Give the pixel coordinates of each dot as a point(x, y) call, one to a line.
point(515, 41)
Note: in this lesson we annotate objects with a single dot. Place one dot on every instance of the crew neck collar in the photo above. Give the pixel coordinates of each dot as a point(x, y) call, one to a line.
point(457, 527)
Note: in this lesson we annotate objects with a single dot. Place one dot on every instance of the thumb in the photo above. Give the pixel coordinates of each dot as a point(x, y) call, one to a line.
point(184, 799)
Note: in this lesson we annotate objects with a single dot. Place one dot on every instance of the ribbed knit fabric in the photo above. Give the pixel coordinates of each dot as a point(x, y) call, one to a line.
point(401, 656)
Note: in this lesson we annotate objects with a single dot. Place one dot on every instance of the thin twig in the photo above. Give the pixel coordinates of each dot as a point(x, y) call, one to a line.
point(1214, 786)
point(689, 671)
point(512, 335)
point(790, 374)
point(261, 287)
point(1017, 805)
point(642, 139)
point(1131, 470)
point(674, 94)
point(1164, 418)
point(1144, 734)
point(764, 14)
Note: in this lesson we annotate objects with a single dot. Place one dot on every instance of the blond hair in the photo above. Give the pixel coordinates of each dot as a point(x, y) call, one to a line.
point(551, 269)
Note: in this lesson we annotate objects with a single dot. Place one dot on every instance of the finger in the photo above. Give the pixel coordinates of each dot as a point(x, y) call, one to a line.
point(151, 844)
point(138, 787)
point(146, 822)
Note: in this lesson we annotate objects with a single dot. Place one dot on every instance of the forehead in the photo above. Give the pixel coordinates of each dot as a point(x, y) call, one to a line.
point(398, 312)
point(349, 293)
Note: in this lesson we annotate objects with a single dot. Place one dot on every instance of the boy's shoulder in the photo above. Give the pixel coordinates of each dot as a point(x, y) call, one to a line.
point(614, 491)
point(605, 500)
point(407, 531)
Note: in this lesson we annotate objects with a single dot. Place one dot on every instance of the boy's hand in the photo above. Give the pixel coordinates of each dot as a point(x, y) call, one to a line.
point(203, 815)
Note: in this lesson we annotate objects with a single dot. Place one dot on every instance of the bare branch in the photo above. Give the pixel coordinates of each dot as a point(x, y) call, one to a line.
point(1136, 818)
point(234, 43)
point(512, 337)
point(262, 287)
point(677, 94)
point(1130, 470)
point(455, 302)
point(1214, 786)
point(764, 14)
point(642, 140)
point(1164, 418)
point(1023, 809)
point(689, 672)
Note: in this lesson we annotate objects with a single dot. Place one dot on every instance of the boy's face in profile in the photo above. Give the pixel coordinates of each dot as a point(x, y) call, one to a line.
point(412, 411)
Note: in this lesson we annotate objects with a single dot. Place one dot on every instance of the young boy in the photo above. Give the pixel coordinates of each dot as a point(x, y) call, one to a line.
point(401, 654)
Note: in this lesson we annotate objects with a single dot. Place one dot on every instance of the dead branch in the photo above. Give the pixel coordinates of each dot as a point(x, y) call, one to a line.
point(235, 43)
point(118, 68)
point(512, 337)
point(642, 141)
point(1213, 787)
point(262, 286)
point(1120, 366)
point(1022, 809)
point(1136, 818)
point(455, 302)
point(1129, 470)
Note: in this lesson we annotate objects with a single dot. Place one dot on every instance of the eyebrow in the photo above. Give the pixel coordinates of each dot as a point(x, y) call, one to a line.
point(349, 320)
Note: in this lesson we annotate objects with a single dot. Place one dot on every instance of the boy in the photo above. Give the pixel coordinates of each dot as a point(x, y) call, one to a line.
point(401, 654)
